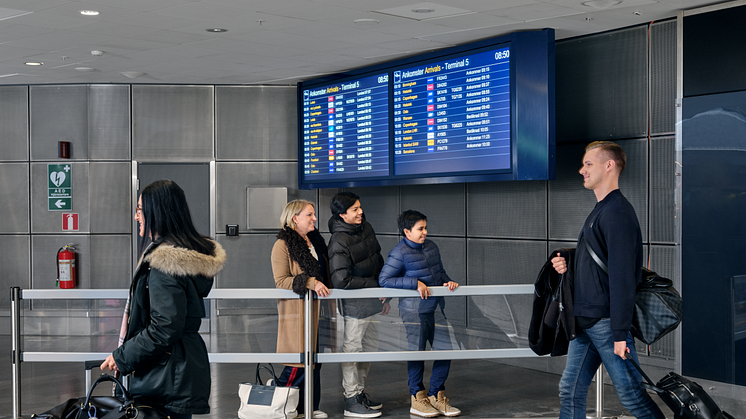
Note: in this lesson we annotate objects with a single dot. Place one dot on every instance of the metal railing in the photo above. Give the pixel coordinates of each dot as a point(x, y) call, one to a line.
point(308, 358)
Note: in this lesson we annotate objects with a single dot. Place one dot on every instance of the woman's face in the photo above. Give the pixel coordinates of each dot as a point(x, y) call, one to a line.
point(354, 214)
point(139, 217)
point(305, 221)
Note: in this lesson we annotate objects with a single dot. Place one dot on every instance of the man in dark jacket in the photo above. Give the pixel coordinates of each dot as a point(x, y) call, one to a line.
point(604, 303)
point(354, 262)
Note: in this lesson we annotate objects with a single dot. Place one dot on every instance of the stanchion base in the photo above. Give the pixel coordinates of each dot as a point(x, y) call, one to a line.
point(605, 414)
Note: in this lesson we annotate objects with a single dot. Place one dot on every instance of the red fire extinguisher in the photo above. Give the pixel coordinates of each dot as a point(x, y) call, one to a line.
point(66, 267)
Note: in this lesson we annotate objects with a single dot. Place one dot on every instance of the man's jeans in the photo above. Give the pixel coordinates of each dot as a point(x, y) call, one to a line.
point(360, 335)
point(586, 352)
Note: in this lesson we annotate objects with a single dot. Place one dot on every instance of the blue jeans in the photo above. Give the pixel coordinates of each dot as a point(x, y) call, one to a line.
point(424, 328)
point(591, 347)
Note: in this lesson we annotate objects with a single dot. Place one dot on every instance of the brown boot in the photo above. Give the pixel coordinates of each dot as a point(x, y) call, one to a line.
point(441, 404)
point(421, 406)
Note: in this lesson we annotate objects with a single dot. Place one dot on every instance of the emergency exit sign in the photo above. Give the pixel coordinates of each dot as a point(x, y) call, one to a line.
point(60, 187)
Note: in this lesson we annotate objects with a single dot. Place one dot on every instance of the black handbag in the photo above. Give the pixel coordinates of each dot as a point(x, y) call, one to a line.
point(658, 306)
point(103, 407)
point(687, 399)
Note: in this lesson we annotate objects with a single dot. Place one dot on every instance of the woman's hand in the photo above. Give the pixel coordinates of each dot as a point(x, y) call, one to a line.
point(109, 364)
point(321, 289)
point(451, 285)
point(423, 290)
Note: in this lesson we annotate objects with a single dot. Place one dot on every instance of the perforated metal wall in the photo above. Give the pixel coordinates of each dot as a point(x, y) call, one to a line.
point(15, 258)
point(58, 113)
point(249, 266)
point(110, 261)
point(662, 77)
point(14, 198)
point(569, 202)
point(662, 190)
point(444, 206)
point(172, 123)
point(256, 123)
point(109, 186)
point(381, 207)
point(602, 86)
point(507, 209)
point(109, 122)
point(14, 123)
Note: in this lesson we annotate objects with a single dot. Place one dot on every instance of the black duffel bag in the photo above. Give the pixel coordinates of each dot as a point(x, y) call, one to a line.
point(104, 407)
point(687, 399)
point(658, 308)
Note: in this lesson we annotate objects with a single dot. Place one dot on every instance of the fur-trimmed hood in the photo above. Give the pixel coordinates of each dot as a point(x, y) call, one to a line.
point(178, 261)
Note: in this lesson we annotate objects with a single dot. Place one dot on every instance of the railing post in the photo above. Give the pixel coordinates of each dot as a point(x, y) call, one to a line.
point(15, 355)
point(309, 353)
point(600, 413)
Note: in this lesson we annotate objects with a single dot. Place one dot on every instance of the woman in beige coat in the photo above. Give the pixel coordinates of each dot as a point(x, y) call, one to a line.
point(299, 262)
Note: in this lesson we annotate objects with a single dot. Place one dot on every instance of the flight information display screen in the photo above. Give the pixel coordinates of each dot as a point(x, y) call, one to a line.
point(453, 115)
point(346, 130)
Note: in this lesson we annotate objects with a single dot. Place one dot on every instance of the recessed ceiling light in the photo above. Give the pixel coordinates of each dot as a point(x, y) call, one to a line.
point(637, 12)
point(216, 30)
point(601, 4)
point(423, 10)
point(366, 21)
point(34, 63)
point(89, 13)
point(84, 68)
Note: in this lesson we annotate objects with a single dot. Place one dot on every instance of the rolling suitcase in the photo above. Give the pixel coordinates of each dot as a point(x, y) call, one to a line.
point(687, 399)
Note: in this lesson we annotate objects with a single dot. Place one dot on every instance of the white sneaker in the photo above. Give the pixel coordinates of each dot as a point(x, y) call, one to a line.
point(318, 414)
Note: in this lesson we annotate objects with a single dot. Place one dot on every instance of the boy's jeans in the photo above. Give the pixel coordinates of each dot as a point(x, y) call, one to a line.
point(586, 352)
point(424, 328)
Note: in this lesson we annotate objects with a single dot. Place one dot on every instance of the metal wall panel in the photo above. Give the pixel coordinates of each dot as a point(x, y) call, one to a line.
point(602, 86)
point(110, 261)
point(662, 77)
point(233, 179)
point(44, 267)
point(256, 123)
point(14, 197)
point(172, 123)
point(110, 201)
point(248, 266)
point(498, 262)
point(444, 205)
point(634, 180)
point(58, 113)
point(387, 242)
point(109, 122)
point(381, 207)
point(15, 258)
point(453, 257)
point(14, 123)
point(507, 209)
point(45, 221)
point(662, 190)
point(569, 202)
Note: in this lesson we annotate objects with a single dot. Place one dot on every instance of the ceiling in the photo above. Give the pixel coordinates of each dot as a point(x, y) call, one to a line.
point(276, 42)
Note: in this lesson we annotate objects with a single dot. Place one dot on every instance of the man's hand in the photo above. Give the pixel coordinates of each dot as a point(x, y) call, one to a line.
point(109, 364)
point(423, 290)
point(621, 349)
point(559, 263)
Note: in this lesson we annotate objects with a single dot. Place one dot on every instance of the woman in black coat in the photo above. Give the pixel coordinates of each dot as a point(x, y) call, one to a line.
point(160, 346)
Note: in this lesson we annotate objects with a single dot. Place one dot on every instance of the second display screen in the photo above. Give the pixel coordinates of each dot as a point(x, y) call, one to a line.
point(453, 116)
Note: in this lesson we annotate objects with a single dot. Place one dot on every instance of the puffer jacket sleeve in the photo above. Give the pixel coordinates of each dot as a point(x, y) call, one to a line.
point(168, 302)
point(394, 271)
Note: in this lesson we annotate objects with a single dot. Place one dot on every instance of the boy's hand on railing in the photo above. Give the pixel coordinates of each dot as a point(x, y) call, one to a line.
point(423, 290)
point(451, 285)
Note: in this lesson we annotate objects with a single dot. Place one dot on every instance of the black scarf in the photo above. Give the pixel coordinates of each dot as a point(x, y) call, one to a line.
point(300, 254)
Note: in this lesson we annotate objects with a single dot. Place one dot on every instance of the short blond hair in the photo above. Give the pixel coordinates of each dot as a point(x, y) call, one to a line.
point(292, 209)
point(613, 152)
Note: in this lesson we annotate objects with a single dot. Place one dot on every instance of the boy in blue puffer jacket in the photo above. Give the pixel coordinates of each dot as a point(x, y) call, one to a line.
point(415, 264)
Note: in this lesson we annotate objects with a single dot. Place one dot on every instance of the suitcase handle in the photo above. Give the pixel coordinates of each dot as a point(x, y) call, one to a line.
point(649, 382)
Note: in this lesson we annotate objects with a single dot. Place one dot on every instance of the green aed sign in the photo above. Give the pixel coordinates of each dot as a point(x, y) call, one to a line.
point(60, 187)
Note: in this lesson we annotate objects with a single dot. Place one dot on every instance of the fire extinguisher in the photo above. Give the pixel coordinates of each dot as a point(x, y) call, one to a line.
point(66, 266)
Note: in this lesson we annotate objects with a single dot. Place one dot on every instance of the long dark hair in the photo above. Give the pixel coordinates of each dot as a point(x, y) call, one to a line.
point(166, 217)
